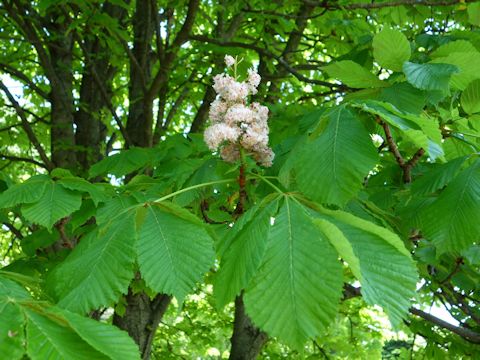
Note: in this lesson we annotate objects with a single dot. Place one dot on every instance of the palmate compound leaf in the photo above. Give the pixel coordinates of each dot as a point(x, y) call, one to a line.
point(244, 254)
point(451, 221)
point(335, 159)
point(100, 267)
point(52, 333)
point(296, 291)
point(377, 258)
point(56, 203)
point(174, 249)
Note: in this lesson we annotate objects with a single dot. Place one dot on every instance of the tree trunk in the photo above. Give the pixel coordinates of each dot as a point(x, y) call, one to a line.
point(62, 132)
point(139, 123)
point(247, 340)
point(141, 319)
point(90, 131)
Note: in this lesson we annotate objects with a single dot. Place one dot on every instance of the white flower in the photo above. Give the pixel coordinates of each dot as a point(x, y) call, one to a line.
point(229, 89)
point(218, 108)
point(229, 60)
point(234, 123)
point(219, 133)
point(253, 80)
point(238, 114)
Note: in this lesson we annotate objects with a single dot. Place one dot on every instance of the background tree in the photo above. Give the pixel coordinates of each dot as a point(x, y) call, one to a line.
point(115, 210)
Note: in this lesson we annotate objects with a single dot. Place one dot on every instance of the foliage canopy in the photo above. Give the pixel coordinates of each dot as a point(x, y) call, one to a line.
point(125, 237)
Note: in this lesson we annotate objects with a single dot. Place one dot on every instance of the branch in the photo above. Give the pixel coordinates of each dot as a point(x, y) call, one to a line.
point(406, 166)
point(350, 291)
point(182, 36)
point(391, 144)
point(28, 129)
point(465, 333)
point(103, 92)
point(268, 54)
point(23, 159)
point(14, 230)
point(376, 5)
point(31, 34)
point(21, 76)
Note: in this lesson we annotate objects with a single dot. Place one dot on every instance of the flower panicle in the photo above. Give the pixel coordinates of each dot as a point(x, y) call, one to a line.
point(235, 124)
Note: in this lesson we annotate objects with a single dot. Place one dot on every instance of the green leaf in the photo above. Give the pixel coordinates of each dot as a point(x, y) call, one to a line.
point(107, 339)
point(122, 163)
point(421, 131)
point(453, 46)
point(353, 75)
point(451, 221)
point(55, 204)
point(12, 337)
point(429, 76)
point(27, 192)
point(96, 191)
point(244, 255)
point(99, 269)
point(174, 249)
point(377, 257)
point(473, 11)
point(39, 239)
point(470, 99)
point(50, 338)
point(11, 326)
point(285, 299)
point(404, 97)
point(331, 166)
point(436, 178)
point(467, 62)
point(117, 206)
point(391, 49)
point(472, 254)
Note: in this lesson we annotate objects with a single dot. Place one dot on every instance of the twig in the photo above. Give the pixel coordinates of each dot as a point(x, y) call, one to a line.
point(406, 166)
point(465, 333)
point(28, 129)
point(24, 159)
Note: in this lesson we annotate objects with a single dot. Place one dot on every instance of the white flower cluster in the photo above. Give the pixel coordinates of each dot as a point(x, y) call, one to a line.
point(235, 124)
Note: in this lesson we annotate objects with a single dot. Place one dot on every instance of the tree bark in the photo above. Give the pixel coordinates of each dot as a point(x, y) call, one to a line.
point(139, 122)
point(62, 131)
point(141, 319)
point(90, 131)
point(247, 340)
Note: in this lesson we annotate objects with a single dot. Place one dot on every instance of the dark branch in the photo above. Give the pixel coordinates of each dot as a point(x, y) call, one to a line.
point(28, 129)
point(182, 36)
point(268, 54)
point(22, 159)
point(350, 291)
point(103, 92)
point(13, 230)
point(25, 79)
point(465, 333)
point(406, 166)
